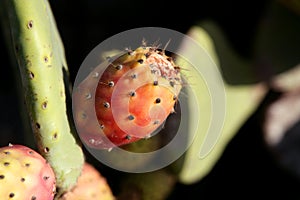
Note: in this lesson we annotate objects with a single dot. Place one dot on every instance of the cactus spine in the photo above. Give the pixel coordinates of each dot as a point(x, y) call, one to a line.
point(40, 55)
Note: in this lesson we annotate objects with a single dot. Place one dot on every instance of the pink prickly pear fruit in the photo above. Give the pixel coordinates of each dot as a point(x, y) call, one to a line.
point(90, 185)
point(133, 98)
point(25, 174)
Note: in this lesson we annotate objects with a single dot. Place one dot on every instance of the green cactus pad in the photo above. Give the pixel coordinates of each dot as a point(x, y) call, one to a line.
point(40, 55)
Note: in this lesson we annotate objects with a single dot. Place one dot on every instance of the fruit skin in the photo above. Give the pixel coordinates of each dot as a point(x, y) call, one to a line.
point(41, 61)
point(25, 174)
point(134, 95)
point(90, 185)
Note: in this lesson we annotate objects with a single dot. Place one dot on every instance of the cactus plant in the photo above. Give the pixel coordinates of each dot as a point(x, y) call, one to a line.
point(40, 55)
point(25, 174)
point(41, 59)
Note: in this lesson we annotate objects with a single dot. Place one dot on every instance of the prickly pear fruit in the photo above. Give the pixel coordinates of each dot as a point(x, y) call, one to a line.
point(90, 185)
point(25, 174)
point(134, 96)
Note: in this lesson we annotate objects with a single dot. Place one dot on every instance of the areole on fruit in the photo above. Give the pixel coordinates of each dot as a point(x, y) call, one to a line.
point(130, 98)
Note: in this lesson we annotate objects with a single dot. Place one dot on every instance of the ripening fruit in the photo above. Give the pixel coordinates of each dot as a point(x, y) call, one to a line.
point(91, 185)
point(25, 174)
point(134, 96)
